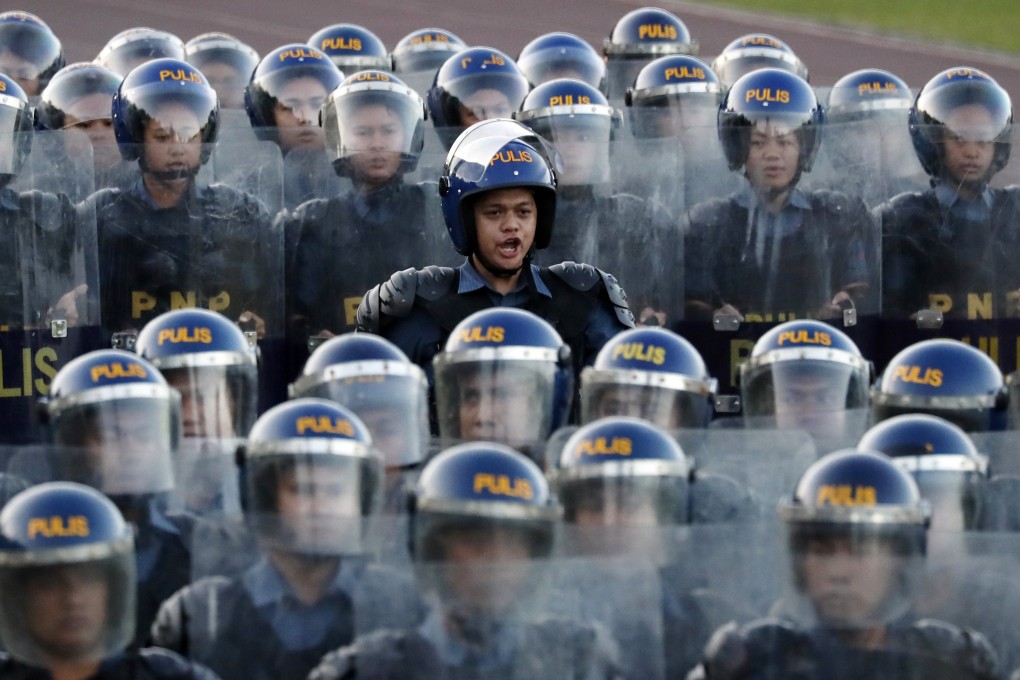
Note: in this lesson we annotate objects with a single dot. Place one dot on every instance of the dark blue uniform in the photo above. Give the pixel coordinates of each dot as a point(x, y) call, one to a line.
point(145, 664)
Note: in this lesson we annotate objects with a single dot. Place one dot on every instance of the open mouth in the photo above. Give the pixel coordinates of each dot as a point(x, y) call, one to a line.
point(510, 248)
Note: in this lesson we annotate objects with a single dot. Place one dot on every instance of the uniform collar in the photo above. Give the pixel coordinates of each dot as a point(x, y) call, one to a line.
point(948, 197)
point(455, 652)
point(748, 198)
point(471, 280)
point(266, 586)
point(138, 191)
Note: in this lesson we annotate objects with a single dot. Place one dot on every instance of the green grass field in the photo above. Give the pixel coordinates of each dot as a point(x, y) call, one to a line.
point(988, 24)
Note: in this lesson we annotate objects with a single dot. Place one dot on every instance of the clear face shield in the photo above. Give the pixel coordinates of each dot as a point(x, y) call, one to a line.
point(123, 445)
point(77, 607)
point(390, 398)
point(668, 400)
point(495, 396)
point(582, 141)
point(217, 401)
point(313, 503)
point(853, 576)
point(676, 114)
point(951, 484)
point(173, 132)
point(377, 125)
point(486, 96)
point(807, 393)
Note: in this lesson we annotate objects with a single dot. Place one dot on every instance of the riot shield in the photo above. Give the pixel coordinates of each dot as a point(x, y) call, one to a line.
point(50, 281)
point(206, 477)
point(250, 166)
point(948, 265)
point(651, 169)
point(620, 75)
point(828, 430)
point(216, 248)
point(308, 174)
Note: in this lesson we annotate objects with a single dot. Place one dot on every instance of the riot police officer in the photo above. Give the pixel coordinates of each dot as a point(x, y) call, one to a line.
point(856, 534)
point(957, 240)
point(283, 99)
point(168, 241)
point(649, 373)
point(209, 361)
point(552, 56)
point(810, 376)
point(352, 48)
point(30, 53)
point(475, 84)
point(79, 98)
point(626, 486)
point(117, 426)
point(773, 247)
point(378, 383)
point(311, 477)
point(640, 36)
point(945, 378)
point(503, 376)
point(374, 127)
point(67, 570)
point(482, 527)
point(226, 62)
point(756, 51)
point(135, 46)
point(496, 220)
point(629, 235)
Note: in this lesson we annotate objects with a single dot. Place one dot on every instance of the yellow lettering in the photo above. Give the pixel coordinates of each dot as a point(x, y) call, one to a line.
point(351, 310)
point(845, 495)
point(940, 302)
point(181, 334)
point(617, 446)
point(44, 363)
point(979, 306)
point(478, 334)
point(141, 302)
point(220, 302)
point(58, 527)
point(300, 53)
point(766, 94)
point(502, 485)
point(803, 337)
point(324, 425)
point(657, 32)
point(7, 392)
point(184, 300)
point(912, 374)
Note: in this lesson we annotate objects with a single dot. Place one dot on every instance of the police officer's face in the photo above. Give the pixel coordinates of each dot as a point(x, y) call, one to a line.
point(505, 224)
point(173, 139)
point(206, 402)
point(497, 409)
point(848, 581)
point(580, 148)
point(968, 144)
point(815, 402)
point(91, 115)
point(389, 434)
point(66, 609)
point(484, 104)
point(296, 112)
point(375, 136)
point(128, 449)
point(772, 158)
point(316, 491)
point(486, 569)
point(227, 81)
point(24, 73)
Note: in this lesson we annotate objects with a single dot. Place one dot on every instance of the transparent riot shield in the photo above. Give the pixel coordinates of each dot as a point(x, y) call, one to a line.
point(500, 617)
point(632, 236)
point(829, 429)
point(308, 174)
point(997, 509)
point(206, 477)
point(620, 75)
point(250, 166)
point(242, 568)
point(419, 81)
point(651, 168)
point(216, 248)
point(705, 170)
point(948, 263)
point(48, 296)
point(235, 126)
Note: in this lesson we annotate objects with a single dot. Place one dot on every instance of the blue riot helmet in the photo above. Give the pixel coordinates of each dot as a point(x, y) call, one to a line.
point(62, 542)
point(561, 55)
point(120, 420)
point(649, 373)
point(206, 357)
point(505, 375)
point(30, 52)
point(622, 471)
point(639, 37)
point(481, 487)
point(775, 102)
point(475, 84)
point(135, 46)
point(373, 119)
point(311, 475)
point(352, 48)
point(171, 99)
point(77, 94)
point(295, 78)
point(580, 123)
point(806, 375)
point(756, 51)
point(15, 129)
point(945, 378)
point(375, 380)
point(966, 104)
point(226, 62)
point(497, 154)
point(425, 49)
point(671, 95)
point(856, 513)
point(943, 461)
point(865, 93)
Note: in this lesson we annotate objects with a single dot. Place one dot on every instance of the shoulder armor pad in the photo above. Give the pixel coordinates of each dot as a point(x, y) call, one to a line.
point(166, 664)
point(395, 298)
point(584, 277)
point(720, 498)
point(710, 213)
point(311, 210)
